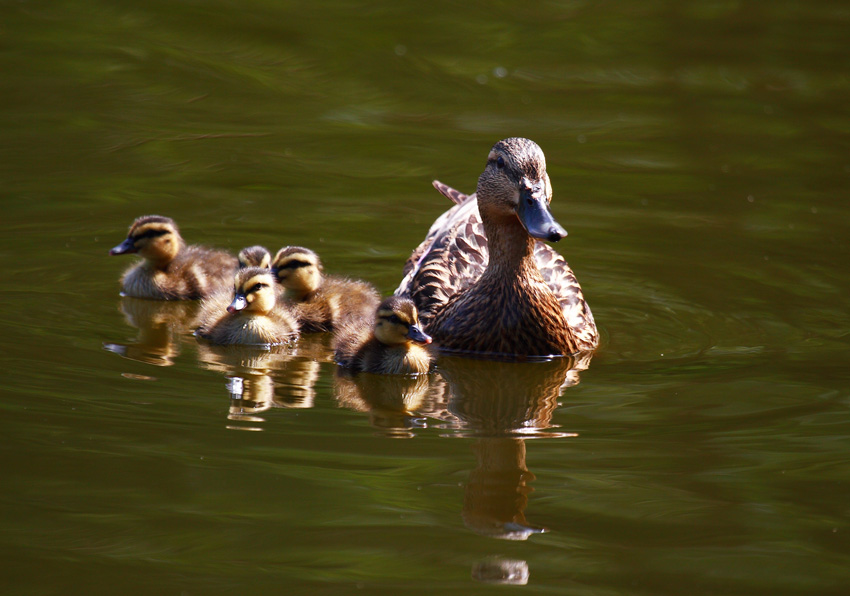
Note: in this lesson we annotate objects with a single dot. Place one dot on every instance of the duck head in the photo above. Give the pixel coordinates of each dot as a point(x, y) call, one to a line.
point(153, 237)
point(397, 322)
point(515, 184)
point(253, 291)
point(255, 256)
point(297, 269)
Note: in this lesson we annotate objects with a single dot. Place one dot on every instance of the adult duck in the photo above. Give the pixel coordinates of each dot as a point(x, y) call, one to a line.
point(484, 283)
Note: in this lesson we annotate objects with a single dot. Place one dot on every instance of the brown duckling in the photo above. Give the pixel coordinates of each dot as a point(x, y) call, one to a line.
point(171, 270)
point(484, 282)
point(321, 302)
point(254, 256)
point(249, 315)
point(392, 344)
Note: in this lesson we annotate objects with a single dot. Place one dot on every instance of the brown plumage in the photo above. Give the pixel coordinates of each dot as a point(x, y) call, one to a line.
point(249, 314)
point(171, 270)
point(321, 302)
point(389, 344)
point(255, 256)
point(483, 281)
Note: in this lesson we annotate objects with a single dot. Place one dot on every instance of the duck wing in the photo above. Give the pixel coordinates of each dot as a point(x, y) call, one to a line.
point(451, 258)
point(455, 253)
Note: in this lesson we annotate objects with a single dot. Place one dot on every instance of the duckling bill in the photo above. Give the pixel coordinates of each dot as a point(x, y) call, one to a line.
point(170, 270)
point(392, 344)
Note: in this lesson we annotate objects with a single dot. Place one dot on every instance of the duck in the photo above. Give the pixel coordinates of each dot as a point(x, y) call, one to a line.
point(321, 302)
point(485, 283)
point(170, 269)
point(249, 314)
point(392, 343)
point(254, 256)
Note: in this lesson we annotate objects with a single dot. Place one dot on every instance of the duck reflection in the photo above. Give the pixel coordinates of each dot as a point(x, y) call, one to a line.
point(503, 404)
point(161, 325)
point(259, 379)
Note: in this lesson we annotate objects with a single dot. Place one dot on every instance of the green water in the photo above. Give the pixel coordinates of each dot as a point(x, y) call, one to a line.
point(700, 157)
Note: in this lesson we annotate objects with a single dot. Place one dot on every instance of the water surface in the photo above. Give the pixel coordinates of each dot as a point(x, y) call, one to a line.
point(699, 156)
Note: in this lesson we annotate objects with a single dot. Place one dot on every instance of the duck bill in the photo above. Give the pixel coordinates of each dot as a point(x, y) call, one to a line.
point(239, 303)
point(124, 248)
point(417, 335)
point(536, 218)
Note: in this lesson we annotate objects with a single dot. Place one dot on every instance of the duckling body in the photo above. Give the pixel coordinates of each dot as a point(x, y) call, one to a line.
point(392, 343)
point(171, 270)
point(484, 282)
point(321, 302)
point(249, 314)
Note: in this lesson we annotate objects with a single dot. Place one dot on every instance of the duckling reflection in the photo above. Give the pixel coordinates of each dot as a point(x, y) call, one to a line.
point(259, 379)
point(498, 570)
point(161, 325)
point(394, 402)
point(503, 404)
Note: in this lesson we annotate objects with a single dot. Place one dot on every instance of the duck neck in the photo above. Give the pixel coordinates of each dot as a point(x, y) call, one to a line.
point(511, 248)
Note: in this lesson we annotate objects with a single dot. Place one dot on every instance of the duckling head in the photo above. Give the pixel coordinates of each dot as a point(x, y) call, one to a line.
point(153, 237)
point(515, 184)
point(297, 269)
point(397, 322)
point(254, 256)
point(253, 291)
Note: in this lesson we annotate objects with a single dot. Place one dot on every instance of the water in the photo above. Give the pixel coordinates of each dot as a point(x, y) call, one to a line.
point(699, 158)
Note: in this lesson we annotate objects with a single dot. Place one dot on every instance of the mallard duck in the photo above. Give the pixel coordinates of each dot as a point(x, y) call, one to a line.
point(171, 270)
point(321, 302)
point(482, 280)
point(255, 256)
point(391, 344)
point(249, 314)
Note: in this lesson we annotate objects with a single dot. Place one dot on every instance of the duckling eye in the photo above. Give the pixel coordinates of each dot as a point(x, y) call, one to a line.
point(500, 162)
point(256, 287)
point(395, 320)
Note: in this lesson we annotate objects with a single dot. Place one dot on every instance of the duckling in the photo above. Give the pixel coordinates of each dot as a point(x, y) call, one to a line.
point(321, 302)
point(171, 270)
point(391, 345)
point(255, 256)
point(248, 315)
point(484, 283)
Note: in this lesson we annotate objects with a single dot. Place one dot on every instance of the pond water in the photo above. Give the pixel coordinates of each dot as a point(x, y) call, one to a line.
point(700, 158)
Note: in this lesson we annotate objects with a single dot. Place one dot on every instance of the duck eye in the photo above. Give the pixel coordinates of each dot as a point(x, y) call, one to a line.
point(500, 162)
point(395, 320)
